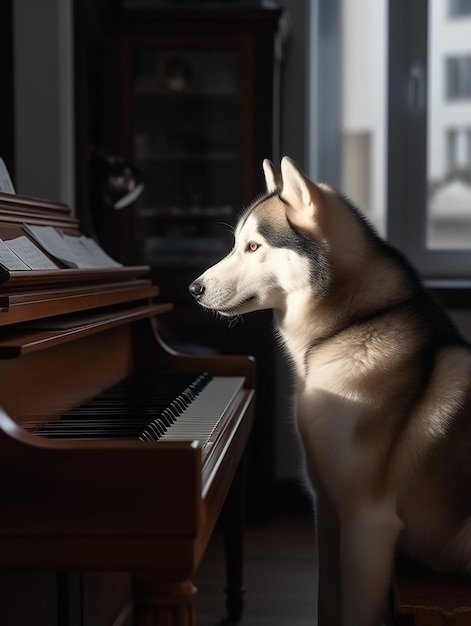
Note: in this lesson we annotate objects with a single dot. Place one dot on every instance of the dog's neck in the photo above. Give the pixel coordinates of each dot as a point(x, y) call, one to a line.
point(300, 321)
point(306, 319)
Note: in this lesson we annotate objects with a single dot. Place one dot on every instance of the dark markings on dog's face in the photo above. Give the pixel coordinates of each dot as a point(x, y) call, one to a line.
point(295, 239)
point(244, 217)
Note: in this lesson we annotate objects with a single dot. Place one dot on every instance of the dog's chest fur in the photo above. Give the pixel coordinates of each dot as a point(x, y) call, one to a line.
point(338, 400)
point(361, 443)
point(331, 416)
point(347, 410)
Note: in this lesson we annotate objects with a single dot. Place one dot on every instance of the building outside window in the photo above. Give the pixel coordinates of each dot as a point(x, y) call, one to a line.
point(459, 150)
point(432, 227)
point(458, 8)
point(458, 77)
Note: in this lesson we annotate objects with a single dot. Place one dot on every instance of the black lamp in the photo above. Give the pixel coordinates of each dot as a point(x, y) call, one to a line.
point(115, 184)
point(120, 182)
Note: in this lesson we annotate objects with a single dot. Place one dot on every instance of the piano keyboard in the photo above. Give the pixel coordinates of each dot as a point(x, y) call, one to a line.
point(156, 407)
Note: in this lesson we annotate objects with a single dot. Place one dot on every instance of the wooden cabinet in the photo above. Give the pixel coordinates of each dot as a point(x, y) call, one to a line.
point(188, 138)
point(191, 97)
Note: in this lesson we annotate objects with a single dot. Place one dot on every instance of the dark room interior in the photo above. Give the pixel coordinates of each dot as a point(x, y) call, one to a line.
point(142, 126)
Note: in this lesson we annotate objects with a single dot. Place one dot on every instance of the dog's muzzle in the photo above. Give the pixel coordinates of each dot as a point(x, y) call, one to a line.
point(196, 289)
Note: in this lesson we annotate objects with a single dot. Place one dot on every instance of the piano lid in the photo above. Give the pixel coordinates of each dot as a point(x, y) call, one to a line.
point(31, 294)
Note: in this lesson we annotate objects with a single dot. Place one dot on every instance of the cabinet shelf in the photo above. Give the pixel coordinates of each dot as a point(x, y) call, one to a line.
point(178, 211)
point(188, 156)
point(186, 93)
point(182, 262)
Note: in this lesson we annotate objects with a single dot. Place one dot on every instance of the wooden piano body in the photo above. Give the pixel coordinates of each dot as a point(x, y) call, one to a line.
point(147, 508)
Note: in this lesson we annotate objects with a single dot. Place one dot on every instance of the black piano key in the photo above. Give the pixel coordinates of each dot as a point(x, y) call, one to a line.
point(95, 433)
point(141, 407)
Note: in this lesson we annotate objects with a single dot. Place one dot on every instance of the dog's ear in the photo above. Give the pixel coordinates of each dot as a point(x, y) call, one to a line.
point(298, 191)
point(272, 178)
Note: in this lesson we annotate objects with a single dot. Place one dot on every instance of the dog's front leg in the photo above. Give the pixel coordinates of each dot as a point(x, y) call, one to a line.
point(328, 555)
point(367, 541)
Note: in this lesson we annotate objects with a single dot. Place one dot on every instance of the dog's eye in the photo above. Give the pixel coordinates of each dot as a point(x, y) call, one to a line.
point(252, 246)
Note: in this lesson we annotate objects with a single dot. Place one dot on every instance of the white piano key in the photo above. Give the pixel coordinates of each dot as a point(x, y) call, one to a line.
point(201, 417)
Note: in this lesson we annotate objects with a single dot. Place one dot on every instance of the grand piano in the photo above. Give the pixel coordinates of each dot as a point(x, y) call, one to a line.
point(116, 452)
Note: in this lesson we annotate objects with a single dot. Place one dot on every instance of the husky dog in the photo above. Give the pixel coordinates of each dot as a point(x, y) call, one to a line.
point(383, 387)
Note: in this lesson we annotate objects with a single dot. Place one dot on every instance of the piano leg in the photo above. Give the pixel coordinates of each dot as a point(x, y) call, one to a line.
point(164, 604)
point(160, 603)
point(233, 526)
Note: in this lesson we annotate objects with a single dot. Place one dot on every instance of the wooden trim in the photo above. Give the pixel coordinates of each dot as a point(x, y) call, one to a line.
point(43, 279)
point(33, 340)
point(30, 205)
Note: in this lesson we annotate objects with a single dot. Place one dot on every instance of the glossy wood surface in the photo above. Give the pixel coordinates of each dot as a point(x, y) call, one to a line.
point(147, 508)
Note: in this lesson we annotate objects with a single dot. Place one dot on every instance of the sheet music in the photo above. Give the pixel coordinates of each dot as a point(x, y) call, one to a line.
point(79, 252)
point(30, 254)
point(49, 238)
point(6, 185)
point(9, 260)
point(90, 252)
point(98, 254)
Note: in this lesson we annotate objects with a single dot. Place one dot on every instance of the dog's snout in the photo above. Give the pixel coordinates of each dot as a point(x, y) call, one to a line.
point(196, 289)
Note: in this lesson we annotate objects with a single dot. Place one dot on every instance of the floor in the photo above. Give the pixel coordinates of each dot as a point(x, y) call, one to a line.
point(280, 576)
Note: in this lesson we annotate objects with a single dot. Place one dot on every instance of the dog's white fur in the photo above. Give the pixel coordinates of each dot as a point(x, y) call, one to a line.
point(385, 445)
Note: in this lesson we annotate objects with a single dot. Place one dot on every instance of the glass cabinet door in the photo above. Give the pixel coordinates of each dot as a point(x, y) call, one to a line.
point(186, 140)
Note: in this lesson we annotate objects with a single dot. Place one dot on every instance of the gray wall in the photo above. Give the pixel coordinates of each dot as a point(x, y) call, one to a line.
point(44, 113)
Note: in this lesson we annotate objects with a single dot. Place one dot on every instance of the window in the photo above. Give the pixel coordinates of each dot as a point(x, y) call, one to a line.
point(429, 169)
point(363, 115)
point(459, 8)
point(406, 127)
point(458, 77)
point(404, 130)
point(458, 151)
point(452, 149)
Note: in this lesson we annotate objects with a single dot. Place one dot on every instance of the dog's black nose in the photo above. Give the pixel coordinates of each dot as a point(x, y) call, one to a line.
point(196, 289)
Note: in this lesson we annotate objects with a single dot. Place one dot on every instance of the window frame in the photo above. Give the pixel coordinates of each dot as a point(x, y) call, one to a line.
point(458, 78)
point(406, 202)
point(456, 10)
